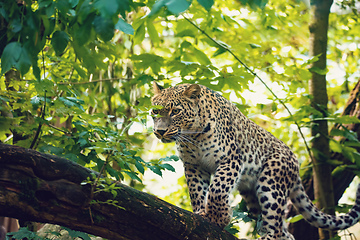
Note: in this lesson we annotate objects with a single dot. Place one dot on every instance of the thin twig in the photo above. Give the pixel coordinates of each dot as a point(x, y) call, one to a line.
point(87, 82)
point(37, 134)
point(94, 81)
point(256, 76)
point(99, 176)
point(93, 187)
point(59, 129)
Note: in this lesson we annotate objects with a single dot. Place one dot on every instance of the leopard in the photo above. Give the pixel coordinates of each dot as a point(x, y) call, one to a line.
point(222, 150)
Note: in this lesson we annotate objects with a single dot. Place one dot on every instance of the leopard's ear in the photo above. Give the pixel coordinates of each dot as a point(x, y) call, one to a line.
point(193, 91)
point(157, 88)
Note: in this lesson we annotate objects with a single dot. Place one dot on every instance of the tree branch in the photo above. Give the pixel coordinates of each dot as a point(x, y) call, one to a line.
point(46, 188)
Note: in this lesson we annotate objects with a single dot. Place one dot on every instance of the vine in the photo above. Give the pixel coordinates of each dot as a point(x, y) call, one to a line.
point(225, 47)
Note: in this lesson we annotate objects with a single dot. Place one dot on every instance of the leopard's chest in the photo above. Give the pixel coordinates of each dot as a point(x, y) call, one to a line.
point(205, 154)
point(208, 152)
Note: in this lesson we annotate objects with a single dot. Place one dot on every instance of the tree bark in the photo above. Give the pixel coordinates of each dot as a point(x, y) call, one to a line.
point(323, 187)
point(46, 188)
point(302, 229)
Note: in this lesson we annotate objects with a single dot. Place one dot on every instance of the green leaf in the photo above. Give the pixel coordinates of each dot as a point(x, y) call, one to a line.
point(73, 3)
point(170, 158)
point(296, 218)
point(348, 152)
point(174, 158)
point(36, 70)
point(318, 70)
point(139, 31)
point(349, 135)
point(24, 63)
point(104, 27)
point(335, 146)
point(154, 36)
point(177, 6)
point(76, 234)
point(15, 25)
point(201, 57)
point(4, 13)
point(14, 55)
point(338, 170)
point(357, 159)
point(6, 123)
point(72, 102)
point(84, 11)
point(207, 4)
point(124, 26)
point(156, 170)
point(63, 6)
point(139, 167)
point(123, 6)
point(334, 162)
point(184, 67)
point(347, 119)
point(253, 45)
point(50, 9)
point(79, 70)
point(149, 60)
point(254, 4)
point(313, 59)
point(174, 6)
point(186, 33)
point(51, 149)
point(44, 85)
point(167, 167)
point(337, 132)
point(133, 176)
point(352, 143)
point(219, 51)
point(274, 107)
point(74, 158)
point(114, 193)
point(36, 100)
point(107, 8)
point(157, 6)
point(59, 41)
point(23, 233)
point(83, 33)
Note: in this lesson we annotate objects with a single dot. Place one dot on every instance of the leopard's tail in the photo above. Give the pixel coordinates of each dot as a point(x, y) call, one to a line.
point(322, 220)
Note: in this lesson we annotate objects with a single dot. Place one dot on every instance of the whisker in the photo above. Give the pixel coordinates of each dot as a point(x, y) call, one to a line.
point(188, 140)
point(191, 132)
point(190, 149)
point(181, 141)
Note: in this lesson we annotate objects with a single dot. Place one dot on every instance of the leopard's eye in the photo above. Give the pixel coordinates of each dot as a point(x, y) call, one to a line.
point(155, 112)
point(175, 111)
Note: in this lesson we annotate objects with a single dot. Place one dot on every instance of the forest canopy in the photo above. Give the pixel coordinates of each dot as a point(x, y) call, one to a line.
point(76, 79)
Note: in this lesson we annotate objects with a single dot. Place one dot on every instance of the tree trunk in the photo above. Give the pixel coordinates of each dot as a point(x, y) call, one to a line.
point(302, 229)
point(46, 188)
point(323, 187)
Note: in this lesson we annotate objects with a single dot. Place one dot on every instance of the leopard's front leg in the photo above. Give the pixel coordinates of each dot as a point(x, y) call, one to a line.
point(218, 208)
point(198, 183)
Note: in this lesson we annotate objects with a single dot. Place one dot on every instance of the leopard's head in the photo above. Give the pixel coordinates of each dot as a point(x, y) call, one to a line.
point(178, 111)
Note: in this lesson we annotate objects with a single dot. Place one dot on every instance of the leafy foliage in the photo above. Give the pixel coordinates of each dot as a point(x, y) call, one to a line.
point(24, 233)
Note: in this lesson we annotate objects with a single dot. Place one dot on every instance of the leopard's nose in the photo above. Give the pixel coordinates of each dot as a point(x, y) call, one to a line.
point(161, 132)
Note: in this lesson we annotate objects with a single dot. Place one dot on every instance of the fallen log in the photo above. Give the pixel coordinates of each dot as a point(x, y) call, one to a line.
point(49, 189)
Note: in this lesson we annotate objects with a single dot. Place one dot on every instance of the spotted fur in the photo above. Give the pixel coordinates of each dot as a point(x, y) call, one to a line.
point(214, 138)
